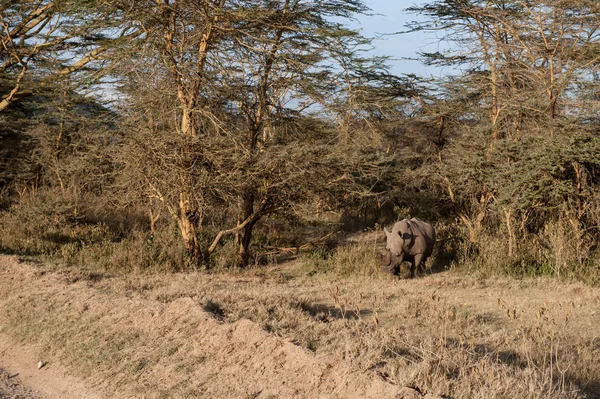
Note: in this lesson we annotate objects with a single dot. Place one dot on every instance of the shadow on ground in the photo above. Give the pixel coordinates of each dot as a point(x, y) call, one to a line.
point(324, 312)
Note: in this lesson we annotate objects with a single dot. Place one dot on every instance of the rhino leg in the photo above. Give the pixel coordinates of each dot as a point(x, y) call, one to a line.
point(419, 258)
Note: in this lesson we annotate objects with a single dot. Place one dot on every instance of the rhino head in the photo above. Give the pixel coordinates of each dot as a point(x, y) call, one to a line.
point(398, 242)
point(399, 239)
point(390, 263)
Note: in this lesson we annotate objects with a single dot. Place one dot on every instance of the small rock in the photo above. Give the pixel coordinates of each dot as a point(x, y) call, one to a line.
point(41, 364)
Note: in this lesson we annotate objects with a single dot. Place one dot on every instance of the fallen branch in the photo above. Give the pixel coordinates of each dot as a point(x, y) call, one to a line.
point(263, 210)
point(228, 232)
point(308, 245)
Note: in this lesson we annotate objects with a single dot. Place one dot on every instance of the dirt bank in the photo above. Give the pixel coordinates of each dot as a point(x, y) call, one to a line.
point(126, 347)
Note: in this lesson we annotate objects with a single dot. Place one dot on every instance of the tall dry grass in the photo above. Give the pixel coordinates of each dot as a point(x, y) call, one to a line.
point(425, 340)
point(51, 227)
point(562, 250)
point(81, 230)
point(344, 260)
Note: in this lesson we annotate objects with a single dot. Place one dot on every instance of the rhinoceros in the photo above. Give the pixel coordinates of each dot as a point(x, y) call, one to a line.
point(410, 240)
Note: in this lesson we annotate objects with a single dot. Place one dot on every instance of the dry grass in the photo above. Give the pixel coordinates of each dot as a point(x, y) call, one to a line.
point(71, 229)
point(346, 260)
point(461, 336)
point(433, 333)
point(62, 237)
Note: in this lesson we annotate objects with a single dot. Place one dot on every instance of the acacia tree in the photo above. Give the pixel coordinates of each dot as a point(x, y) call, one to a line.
point(48, 39)
point(292, 56)
point(175, 55)
point(224, 132)
point(50, 53)
point(525, 65)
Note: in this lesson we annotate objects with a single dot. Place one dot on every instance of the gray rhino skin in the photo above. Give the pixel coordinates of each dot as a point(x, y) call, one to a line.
point(410, 240)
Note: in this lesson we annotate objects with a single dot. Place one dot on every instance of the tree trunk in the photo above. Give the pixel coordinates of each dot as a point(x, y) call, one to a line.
point(511, 237)
point(246, 212)
point(187, 225)
point(245, 244)
point(153, 219)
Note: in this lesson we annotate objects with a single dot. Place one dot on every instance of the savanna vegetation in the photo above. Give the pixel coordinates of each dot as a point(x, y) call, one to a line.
point(142, 138)
point(174, 135)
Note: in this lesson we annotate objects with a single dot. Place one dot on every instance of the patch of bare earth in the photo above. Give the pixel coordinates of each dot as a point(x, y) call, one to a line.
point(28, 377)
point(125, 342)
point(11, 387)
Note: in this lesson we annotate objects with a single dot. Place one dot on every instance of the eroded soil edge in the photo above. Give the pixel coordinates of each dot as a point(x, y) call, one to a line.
point(125, 347)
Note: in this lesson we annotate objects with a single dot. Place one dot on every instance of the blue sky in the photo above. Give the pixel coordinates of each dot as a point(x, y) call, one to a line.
point(392, 18)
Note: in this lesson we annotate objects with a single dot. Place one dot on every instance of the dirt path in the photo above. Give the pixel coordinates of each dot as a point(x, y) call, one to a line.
point(21, 378)
point(11, 387)
point(128, 347)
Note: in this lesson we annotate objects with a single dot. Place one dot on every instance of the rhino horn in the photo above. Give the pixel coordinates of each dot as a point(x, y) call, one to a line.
point(386, 259)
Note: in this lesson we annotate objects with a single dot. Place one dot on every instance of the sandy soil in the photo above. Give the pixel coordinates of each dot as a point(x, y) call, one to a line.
point(23, 377)
point(12, 387)
point(233, 360)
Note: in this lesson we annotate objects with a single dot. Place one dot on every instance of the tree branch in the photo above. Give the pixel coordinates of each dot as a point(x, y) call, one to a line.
point(94, 55)
point(262, 210)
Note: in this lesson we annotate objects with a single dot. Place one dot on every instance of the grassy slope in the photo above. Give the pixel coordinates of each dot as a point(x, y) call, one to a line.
point(445, 333)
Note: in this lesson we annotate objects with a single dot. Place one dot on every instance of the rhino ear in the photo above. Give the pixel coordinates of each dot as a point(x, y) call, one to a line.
point(387, 233)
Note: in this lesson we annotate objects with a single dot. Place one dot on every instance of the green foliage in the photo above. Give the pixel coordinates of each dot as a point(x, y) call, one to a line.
point(513, 153)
